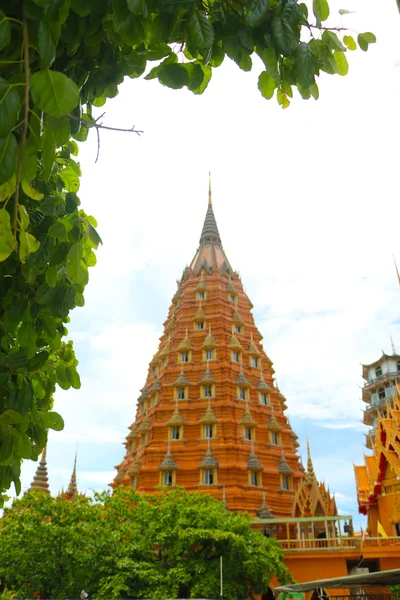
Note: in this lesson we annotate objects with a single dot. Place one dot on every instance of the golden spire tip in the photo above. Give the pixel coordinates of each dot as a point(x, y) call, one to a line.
point(209, 188)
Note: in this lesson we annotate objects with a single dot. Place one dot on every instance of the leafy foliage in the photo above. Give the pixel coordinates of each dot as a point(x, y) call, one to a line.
point(61, 58)
point(167, 546)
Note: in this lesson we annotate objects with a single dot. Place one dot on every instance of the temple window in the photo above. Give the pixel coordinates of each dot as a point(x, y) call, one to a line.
point(175, 432)
point(255, 478)
point(209, 355)
point(238, 329)
point(143, 439)
point(264, 398)
point(207, 391)
point(275, 438)
point(201, 295)
point(242, 393)
point(184, 357)
point(131, 445)
point(154, 370)
point(155, 399)
point(141, 408)
point(381, 394)
point(165, 363)
point(209, 477)
point(254, 362)
point(285, 482)
point(378, 371)
point(168, 478)
point(232, 298)
point(248, 433)
point(200, 325)
point(209, 431)
point(236, 356)
point(133, 482)
point(397, 528)
point(180, 392)
point(398, 365)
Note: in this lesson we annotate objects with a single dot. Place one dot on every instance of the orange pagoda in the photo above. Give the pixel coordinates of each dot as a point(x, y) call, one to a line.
point(209, 416)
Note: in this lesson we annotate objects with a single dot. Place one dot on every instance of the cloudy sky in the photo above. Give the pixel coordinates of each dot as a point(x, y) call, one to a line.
point(306, 201)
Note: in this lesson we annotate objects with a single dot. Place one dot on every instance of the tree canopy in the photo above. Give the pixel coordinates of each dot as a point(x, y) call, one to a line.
point(60, 59)
point(130, 546)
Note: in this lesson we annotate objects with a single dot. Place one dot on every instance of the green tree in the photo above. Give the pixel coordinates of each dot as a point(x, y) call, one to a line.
point(59, 60)
point(130, 546)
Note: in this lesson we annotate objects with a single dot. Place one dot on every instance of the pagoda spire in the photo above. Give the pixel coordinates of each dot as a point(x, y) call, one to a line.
point(210, 231)
point(73, 488)
point(40, 481)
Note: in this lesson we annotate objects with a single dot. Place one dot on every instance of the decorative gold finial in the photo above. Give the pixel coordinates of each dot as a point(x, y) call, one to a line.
point(209, 188)
point(393, 346)
point(73, 488)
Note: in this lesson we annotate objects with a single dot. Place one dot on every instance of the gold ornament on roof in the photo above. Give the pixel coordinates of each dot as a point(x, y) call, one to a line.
point(185, 344)
point(209, 342)
point(235, 344)
point(40, 481)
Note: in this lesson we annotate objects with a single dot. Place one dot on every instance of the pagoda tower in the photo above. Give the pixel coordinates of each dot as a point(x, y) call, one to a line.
point(209, 417)
point(381, 377)
point(40, 481)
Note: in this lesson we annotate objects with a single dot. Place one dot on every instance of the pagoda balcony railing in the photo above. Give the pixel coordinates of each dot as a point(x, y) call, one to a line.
point(338, 543)
point(379, 402)
point(382, 377)
point(325, 534)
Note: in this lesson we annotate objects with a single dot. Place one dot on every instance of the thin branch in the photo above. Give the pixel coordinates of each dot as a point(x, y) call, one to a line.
point(26, 120)
point(96, 125)
point(331, 28)
point(98, 145)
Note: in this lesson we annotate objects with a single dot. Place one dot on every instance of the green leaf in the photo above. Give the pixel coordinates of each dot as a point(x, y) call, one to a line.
point(30, 191)
point(200, 30)
point(282, 98)
point(60, 129)
point(10, 417)
point(341, 62)
point(5, 31)
point(196, 75)
point(8, 188)
point(70, 179)
point(343, 11)
point(266, 85)
point(23, 445)
point(8, 157)
point(27, 335)
point(74, 257)
point(256, 11)
point(27, 245)
point(54, 93)
point(74, 378)
point(53, 420)
point(332, 41)
point(48, 40)
point(285, 32)
point(38, 361)
point(51, 276)
point(93, 236)
point(62, 378)
point(138, 7)
point(174, 76)
point(314, 91)
point(48, 152)
point(320, 10)
point(364, 39)
point(270, 60)
point(7, 446)
point(23, 217)
point(349, 42)
point(30, 158)
point(304, 65)
point(6, 236)
point(25, 396)
point(83, 8)
point(10, 105)
point(14, 361)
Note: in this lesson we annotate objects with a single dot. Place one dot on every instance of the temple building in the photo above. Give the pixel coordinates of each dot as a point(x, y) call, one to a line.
point(381, 379)
point(210, 417)
point(40, 481)
point(377, 480)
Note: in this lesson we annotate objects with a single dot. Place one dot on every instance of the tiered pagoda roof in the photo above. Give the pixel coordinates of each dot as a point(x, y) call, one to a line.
point(211, 411)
